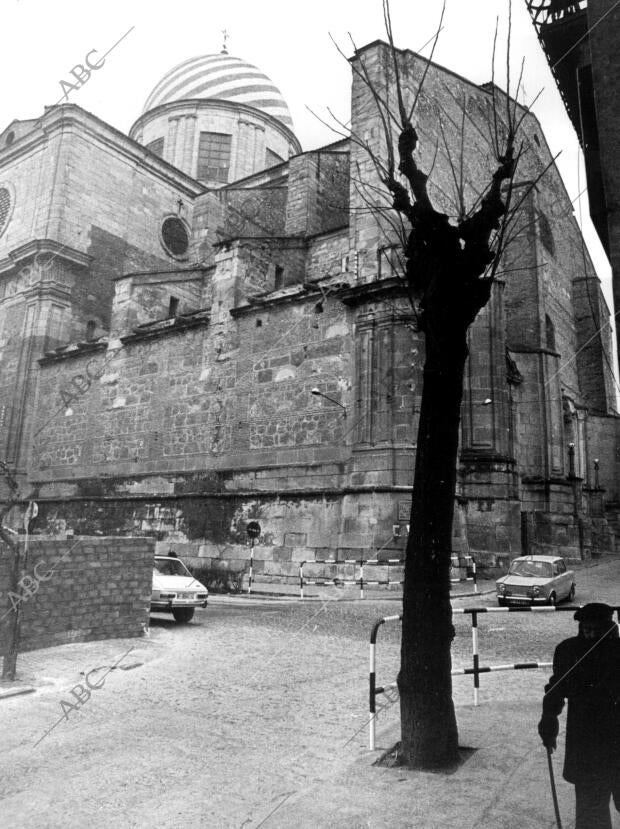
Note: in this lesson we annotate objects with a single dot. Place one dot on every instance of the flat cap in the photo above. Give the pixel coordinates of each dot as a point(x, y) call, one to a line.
point(595, 612)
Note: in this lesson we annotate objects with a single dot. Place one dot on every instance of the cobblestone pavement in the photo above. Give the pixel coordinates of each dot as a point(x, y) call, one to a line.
point(218, 723)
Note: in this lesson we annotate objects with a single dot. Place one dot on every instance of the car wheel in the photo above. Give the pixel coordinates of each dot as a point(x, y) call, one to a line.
point(183, 615)
point(552, 600)
point(571, 593)
point(501, 602)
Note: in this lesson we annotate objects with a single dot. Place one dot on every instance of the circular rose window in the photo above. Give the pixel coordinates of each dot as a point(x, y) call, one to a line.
point(175, 236)
point(6, 206)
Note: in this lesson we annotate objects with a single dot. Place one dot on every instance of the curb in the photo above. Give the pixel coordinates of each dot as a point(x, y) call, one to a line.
point(7, 691)
point(275, 595)
point(469, 595)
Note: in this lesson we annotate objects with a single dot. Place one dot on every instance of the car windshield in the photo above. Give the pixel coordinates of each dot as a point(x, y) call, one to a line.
point(171, 567)
point(535, 569)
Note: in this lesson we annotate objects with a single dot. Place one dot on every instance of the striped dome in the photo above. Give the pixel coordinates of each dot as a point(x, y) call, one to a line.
point(224, 77)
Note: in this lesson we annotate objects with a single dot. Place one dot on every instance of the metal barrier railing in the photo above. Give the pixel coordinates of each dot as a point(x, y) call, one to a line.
point(470, 567)
point(373, 691)
point(474, 671)
point(361, 581)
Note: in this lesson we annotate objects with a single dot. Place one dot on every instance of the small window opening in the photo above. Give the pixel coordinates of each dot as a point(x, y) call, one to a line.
point(173, 306)
point(259, 323)
point(279, 279)
point(550, 333)
point(91, 327)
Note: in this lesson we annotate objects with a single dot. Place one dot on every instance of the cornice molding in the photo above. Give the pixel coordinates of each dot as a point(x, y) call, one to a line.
point(64, 117)
point(195, 105)
point(371, 291)
point(46, 247)
point(165, 327)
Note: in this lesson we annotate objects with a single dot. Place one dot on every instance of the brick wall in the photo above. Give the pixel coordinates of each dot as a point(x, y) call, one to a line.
point(89, 588)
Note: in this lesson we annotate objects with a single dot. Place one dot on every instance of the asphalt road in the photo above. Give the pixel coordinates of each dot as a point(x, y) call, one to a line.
point(215, 723)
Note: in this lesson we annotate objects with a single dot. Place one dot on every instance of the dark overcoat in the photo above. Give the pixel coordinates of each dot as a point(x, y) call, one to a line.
point(586, 673)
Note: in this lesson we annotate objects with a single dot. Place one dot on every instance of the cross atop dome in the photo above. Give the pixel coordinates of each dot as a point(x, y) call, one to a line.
point(225, 35)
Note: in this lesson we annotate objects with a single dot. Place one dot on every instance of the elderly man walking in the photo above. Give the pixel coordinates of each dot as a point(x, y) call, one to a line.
point(586, 673)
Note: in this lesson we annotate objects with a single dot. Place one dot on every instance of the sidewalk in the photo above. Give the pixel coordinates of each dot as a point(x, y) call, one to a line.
point(504, 784)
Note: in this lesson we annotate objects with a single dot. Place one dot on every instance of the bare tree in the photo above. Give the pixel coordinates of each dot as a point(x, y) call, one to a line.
point(449, 266)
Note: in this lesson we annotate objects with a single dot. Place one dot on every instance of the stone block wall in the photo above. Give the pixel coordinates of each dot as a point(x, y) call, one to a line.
point(210, 529)
point(99, 200)
point(27, 171)
point(143, 298)
point(80, 589)
point(492, 529)
point(327, 257)
point(252, 211)
point(318, 193)
point(603, 434)
point(332, 197)
point(126, 192)
point(595, 347)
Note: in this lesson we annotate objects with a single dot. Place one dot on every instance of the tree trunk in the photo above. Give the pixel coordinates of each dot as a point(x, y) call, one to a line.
point(429, 737)
point(9, 662)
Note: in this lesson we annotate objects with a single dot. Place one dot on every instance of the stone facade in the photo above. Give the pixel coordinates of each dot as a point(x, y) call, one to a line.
point(274, 371)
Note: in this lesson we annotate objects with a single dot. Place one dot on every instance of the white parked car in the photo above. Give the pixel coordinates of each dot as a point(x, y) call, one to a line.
point(175, 590)
point(536, 580)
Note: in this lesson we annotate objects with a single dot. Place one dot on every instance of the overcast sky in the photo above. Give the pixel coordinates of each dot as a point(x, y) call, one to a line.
point(45, 39)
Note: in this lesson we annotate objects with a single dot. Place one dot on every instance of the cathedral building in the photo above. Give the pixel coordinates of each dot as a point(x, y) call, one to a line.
point(202, 325)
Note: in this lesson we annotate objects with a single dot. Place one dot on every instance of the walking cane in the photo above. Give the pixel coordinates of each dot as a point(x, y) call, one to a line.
point(553, 791)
